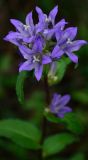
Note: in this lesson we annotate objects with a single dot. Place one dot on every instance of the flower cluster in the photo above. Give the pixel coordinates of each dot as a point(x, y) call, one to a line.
point(59, 106)
point(45, 42)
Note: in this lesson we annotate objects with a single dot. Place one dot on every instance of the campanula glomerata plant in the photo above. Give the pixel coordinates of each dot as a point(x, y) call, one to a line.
point(43, 46)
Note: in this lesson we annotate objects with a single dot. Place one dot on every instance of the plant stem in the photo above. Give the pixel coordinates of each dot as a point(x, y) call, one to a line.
point(44, 123)
point(47, 91)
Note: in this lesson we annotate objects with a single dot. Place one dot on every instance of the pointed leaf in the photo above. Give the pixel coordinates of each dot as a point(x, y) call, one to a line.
point(55, 144)
point(19, 86)
point(21, 132)
point(74, 123)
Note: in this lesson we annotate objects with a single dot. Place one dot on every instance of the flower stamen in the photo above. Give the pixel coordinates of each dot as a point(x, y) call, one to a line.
point(69, 41)
point(36, 59)
point(26, 27)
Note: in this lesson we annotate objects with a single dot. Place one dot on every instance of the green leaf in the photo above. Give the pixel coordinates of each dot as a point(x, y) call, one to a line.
point(57, 143)
point(60, 71)
point(74, 123)
point(19, 86)
point(52, 118)
point(21, 132)
point(78, 156)
point(71, 121)
point(62, 66)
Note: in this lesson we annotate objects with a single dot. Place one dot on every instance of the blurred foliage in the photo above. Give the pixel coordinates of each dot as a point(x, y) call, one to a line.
point(22, 133)
point(56, 143)
point(12, 143)
point(71, 122)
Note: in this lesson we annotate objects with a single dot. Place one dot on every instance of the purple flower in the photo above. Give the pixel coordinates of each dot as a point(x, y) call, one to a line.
point(24, 32)
point(66, 43)
point(35, 59)
point(45, 20)
point(59, 105)
point(44, 42)
point(47, 24)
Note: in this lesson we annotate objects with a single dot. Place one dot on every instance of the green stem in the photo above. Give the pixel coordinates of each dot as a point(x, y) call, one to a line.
point(44, 123)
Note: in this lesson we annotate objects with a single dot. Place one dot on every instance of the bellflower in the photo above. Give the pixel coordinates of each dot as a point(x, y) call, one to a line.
point(45, 20)
point(47, 24)
point(59, 105)
point(24, 32)
point(67, 45)
point(35, 59)
point(45, 42)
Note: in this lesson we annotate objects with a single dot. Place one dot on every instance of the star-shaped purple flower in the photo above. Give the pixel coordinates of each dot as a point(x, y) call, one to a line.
point(24, 32)
point(45, 20)
point(66, 43)
point(59, 105)
point(47, 24)
point(35, 59)
point(44, 42)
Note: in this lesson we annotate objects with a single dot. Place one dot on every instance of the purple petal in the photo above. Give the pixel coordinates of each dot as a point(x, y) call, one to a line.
point(19, 25)
point(60, 115)
point(41, 15)
point(60, 24)
point(29, 20)
point(38, 71)
point(26, 66)
point(68, 34)
point(38, 45)
point(58, 34)
point(46, 59)
point(63, 111)
point(52, 108)
point(53, 14)
point(14, 37)
point(64, 100)
point(76, 45)
point(48, 33)
point(57, 52)
point(73, 57)
point(25, 51)
point(56, 99)
point(39, 27)
point(29, 39)
point(54, 102)
point(59, 28)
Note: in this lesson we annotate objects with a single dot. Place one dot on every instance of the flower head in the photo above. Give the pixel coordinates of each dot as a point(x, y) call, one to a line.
point(45, 42)
point(59, 105)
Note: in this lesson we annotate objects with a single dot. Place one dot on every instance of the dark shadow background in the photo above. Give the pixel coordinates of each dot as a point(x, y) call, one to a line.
point(75, 81)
